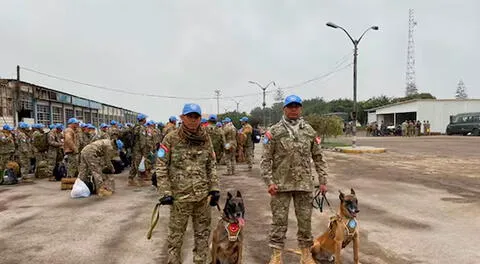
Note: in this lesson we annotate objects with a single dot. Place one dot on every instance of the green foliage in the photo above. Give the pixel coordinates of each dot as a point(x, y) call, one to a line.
point(235, 116)
point(326, 126)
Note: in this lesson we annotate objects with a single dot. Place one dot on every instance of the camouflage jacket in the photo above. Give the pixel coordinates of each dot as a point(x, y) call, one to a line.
point(101, 135)
point(247, 131)
point(113, 132)
point(169, 128)
point(71, 143)
point(54, 140)
point(230, 134)
point(286, 160)
point(186, 172)
point(140, 140)
point(103, 150)
point(216, 135)
point(23, 143)
point(7, 144)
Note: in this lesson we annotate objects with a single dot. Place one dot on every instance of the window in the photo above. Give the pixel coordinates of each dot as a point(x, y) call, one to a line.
point(95, 119)
point(43, 114)
point(78, 114)
point(87, 117)
point(57, 115)
point(69, 113)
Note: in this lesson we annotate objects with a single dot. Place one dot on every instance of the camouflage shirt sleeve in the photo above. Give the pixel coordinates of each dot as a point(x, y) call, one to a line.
point(142, 140)
point(212, 168)
point(266, 162)
point(52, 141)
point(319, 160)
point(162, 168)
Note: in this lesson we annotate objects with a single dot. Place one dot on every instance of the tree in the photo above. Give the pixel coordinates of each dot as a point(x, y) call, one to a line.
point(326, 126)
point(461, 92)
point(279, 95)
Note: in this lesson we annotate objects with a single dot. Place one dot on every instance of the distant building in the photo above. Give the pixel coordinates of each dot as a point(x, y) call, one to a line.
point(37, 104)
point(436, 111)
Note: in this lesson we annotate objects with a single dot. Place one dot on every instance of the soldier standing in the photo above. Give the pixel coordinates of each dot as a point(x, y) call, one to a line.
point(71, 147)
point(113, 130)
point(230, 145)
point(247, 132)
point(103, 133)
point(171, 125)
point(40, 148)
point(24, 148)
point(7, 146)
point(55, 145)
point(289, 146)
point(186, 175)
point(217, 137)
point(82, 136)
point(139, 149)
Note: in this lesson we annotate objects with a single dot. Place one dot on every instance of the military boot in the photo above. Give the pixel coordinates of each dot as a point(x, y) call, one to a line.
point(306, 257)
point(276, 257)
point(104, 192)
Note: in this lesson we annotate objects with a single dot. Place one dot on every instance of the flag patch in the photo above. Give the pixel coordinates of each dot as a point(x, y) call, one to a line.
point(318, 140)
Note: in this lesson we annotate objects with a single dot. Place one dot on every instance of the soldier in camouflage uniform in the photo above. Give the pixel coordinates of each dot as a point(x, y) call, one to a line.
point(139, 149)
point(96, 158)
point(103, 133)
point(55, 146)
point(24, 148)
point(152, 138)
point(113, 130)
point(217, 136)
point(247, 130)
point(82, 136)
point(71, 147)
point(40, 149)
point(7, 146)
point(171, 125)
point(187, 177)
point(289, 147)
point(230, 145)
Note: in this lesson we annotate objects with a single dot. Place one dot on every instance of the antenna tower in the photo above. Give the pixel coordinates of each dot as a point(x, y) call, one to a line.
point(410, 76)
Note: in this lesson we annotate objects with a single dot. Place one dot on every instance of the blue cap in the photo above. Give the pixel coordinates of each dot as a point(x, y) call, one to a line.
point(59, 126)
point(38, 125)
point(191, 108)
point(228, 120)
point(90, 126)
point(51, 126)
point(160, 124)
point(113, 122)
point(204, 120)
point(141, 116)
point(219, 124)
point(23, 125)
point(129, 124)
point(212, 117)
point(119, 144)
point(244, 119)
point(172, 119)
point(73, 120)
point(292, 99)
point(103, 125)
point(83, 125)
point(7, 127)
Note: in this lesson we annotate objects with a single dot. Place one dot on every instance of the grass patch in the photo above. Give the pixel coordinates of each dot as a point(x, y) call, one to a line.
point(334, 144)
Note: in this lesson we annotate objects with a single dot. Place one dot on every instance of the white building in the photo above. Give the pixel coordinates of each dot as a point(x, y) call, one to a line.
point(436, 111)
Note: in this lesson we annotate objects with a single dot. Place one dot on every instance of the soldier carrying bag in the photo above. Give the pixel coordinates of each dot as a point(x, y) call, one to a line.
point(40, 142)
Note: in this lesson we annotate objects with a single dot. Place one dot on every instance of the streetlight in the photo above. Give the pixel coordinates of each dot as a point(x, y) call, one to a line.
point(263, 104)
point(355, 53)
point(237, 102)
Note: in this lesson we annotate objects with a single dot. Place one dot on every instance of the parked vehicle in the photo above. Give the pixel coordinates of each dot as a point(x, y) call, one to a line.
point(464, 124)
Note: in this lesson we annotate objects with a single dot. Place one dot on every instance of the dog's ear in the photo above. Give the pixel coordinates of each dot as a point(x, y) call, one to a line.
point(341, 196)
point(352, 191)
point(239, 194)
point(230, 196)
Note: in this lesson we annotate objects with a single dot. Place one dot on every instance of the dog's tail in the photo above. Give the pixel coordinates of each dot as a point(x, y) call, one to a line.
point(294, 251)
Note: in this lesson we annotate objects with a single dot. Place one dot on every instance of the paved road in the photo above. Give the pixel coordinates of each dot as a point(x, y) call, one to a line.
point(419, 203)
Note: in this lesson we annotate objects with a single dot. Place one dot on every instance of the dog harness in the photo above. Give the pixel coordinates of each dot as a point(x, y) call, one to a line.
point(233, 230)
point(349, 230)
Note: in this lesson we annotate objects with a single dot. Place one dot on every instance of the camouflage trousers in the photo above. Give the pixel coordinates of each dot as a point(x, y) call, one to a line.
point(4, 159)
point(91, 166)
point(41, 166)
point(136, 158)
point(180, 212)
point(218, 152)
point(249, 156)
point(279, 204)
point(73, 161)
point(24, 163)
point(53, 156)
point(230, 160)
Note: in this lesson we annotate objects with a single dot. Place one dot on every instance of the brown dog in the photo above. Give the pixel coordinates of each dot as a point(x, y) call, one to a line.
point(227, 238)
point(342, 229)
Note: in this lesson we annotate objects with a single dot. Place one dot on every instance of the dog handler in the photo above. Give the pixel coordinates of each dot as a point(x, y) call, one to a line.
point(289, 146)
point(186, 176)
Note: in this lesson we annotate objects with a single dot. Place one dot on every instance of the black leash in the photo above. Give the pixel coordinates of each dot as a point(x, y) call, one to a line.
point(318, 201)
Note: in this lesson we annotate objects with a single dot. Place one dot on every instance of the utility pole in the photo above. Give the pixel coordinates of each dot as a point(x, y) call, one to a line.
point(16, 97)
point(217, 95)
point(238, 103)
point(264, 88)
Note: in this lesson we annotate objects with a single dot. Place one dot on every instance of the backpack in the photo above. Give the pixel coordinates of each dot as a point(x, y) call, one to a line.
point(40, 141)
point(256, 135)
point(60, 171)
point(8, 177)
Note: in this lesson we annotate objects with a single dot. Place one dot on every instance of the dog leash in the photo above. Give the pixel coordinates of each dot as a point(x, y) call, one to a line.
point(318, 201)
point(154, 220)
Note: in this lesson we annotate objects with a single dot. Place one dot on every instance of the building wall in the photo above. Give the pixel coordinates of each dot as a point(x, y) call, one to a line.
point(438, 112)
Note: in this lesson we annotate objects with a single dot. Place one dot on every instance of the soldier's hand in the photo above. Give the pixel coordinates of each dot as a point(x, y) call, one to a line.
point(323, 189)
point(214, 197)
point(272, 189)
point(166, 200)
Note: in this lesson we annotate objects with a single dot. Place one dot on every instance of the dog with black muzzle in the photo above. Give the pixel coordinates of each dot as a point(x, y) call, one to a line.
point(227, 238)
point(342, 229)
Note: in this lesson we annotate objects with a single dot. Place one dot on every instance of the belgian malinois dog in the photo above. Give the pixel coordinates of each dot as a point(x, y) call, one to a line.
point(342, 229)
point(227, 238)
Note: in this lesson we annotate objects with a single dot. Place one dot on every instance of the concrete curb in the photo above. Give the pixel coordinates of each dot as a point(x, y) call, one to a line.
point(361, 150)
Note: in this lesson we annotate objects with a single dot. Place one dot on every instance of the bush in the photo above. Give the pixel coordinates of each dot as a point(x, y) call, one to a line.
point(326, 126)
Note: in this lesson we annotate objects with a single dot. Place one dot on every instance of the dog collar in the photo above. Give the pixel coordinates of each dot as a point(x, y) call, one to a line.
point(233, 230)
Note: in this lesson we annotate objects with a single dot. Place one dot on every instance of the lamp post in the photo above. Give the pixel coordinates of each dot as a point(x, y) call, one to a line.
point(355, 54)
point(264, 88)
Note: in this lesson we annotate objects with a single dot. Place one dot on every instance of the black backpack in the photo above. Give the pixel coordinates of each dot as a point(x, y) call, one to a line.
point(256, 135)
point(60, 171)
point(9, 177)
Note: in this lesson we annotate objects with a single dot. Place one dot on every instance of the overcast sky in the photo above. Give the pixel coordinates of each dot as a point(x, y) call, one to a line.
point(191, 48)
